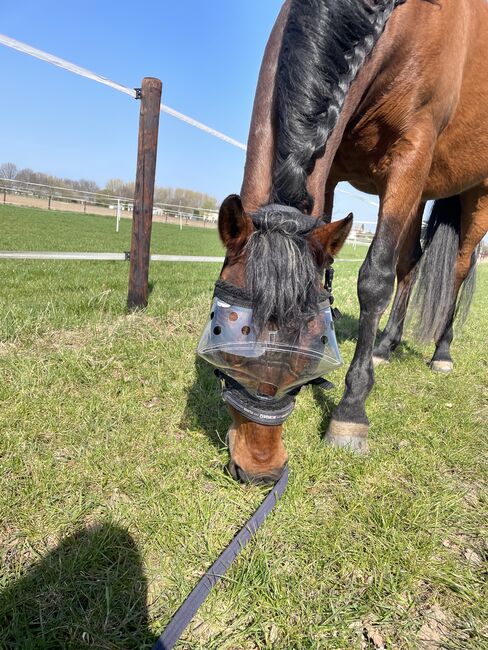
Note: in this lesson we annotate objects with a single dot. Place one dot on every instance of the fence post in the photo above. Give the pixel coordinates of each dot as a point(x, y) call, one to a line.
point(117, 222)
point(5, 196)
point(49, 202)
point(150, 96)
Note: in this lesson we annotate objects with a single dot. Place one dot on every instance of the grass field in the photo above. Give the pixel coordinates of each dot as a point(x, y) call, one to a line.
point(113, 498)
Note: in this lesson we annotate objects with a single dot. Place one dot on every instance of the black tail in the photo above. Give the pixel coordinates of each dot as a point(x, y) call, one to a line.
point(433, 294)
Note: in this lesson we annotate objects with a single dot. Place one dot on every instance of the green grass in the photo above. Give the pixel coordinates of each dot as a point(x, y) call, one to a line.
point(36, 229)
point(114, 499)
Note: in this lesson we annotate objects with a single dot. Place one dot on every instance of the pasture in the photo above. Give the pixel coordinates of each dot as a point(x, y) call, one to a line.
point(113, 498)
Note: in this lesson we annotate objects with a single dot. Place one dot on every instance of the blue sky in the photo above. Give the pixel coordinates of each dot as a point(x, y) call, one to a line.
point(206, 53)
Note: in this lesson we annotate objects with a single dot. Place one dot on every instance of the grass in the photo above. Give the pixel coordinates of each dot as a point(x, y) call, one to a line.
point(114, 499)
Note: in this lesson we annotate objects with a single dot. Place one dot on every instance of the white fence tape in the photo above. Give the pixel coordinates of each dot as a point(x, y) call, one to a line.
point(88, 74)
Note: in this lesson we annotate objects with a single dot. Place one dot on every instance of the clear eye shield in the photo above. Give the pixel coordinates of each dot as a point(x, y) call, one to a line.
point(263, 371)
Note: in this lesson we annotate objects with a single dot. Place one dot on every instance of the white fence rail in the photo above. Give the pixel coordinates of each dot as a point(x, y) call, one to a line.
point(115, 257)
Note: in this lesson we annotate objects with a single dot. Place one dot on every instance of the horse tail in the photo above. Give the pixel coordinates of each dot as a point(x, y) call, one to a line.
point(433, 292)
point(467, 289)
point(325, 44)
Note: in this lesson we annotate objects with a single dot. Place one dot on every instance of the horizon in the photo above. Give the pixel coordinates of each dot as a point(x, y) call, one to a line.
point(68, 126)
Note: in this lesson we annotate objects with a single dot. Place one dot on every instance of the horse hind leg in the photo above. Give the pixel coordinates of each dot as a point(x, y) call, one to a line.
point(410, 254)
point(474, 225)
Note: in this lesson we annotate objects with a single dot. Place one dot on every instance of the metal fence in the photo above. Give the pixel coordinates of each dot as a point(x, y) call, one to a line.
point(51, 197)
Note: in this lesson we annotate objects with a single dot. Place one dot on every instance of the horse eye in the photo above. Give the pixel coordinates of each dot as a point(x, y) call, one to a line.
point(212, 315)
point(324, 339)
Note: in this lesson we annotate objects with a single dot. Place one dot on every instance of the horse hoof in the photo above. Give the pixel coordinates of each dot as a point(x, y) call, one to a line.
point(380, 361)
point(441, 366)
point(348, 435)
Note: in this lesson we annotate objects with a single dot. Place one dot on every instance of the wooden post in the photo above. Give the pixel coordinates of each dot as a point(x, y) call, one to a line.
point(5, 196)
point(150, 96)
point(49, 202)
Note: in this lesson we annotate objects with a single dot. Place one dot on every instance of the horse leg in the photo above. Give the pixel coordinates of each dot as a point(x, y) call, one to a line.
point(329, 200)
point(474, 225)
point(400, 198)
point(410, 254)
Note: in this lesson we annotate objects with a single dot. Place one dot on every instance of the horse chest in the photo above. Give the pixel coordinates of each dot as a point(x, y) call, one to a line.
point(363, 159)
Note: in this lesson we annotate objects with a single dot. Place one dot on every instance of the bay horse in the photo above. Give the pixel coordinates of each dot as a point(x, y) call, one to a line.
point(391, 96)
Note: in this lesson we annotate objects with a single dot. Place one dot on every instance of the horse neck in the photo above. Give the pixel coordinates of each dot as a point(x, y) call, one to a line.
point(257, 183)
point(366, 76)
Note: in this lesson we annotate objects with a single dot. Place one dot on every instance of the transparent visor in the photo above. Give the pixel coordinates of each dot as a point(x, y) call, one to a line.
point(276, 361)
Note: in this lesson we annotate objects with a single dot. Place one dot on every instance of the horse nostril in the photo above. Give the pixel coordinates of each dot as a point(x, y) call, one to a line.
point(260, 479)
point(265, 480)
point(233, 470)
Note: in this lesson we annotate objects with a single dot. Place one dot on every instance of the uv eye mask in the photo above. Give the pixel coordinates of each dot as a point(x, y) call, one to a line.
point(263, 371)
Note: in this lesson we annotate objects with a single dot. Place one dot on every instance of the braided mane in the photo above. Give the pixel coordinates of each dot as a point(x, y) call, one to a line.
point(325, 43)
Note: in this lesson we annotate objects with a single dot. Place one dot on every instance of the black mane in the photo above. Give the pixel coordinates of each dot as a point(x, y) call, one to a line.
point(281, 270)
point(325, 43)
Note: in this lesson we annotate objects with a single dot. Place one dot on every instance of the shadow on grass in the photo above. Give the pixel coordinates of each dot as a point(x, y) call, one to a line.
point(151, 285)
point(406, 351)
point(88, 591)
point(346, 328)
point(204, 406)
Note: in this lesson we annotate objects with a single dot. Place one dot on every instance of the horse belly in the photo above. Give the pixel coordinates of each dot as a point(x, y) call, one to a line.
point(458, 163)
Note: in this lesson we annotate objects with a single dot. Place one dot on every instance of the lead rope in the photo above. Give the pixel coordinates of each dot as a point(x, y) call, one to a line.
point(194, 600)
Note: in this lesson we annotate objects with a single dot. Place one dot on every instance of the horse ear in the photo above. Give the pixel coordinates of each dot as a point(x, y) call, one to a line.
point(331, 236)
point(234, 225)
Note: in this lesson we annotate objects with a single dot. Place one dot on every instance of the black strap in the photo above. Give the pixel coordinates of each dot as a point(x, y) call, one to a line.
point(321, 382)
point(193, 602)
point(266, 412)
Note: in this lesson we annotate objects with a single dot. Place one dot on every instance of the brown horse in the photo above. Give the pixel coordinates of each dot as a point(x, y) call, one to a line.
point(392, 96)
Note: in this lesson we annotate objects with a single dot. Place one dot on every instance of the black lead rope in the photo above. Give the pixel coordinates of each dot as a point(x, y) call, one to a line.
point(194, 601)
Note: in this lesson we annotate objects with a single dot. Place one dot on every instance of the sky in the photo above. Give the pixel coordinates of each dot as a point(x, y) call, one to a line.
point(207, 55)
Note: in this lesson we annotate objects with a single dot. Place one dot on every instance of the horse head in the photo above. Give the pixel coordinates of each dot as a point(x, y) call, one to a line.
point(267, 331)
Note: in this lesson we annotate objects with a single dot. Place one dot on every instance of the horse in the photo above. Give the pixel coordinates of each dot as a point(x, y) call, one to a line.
point(391, 96)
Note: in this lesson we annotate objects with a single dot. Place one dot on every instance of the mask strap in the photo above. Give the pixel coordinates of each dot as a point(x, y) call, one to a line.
point(232, 294)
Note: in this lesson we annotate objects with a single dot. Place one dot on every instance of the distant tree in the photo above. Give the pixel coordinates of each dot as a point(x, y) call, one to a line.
point(113, 187)
point(8, 170)
point(119, 187)
point(209, 202)
point(86, 185)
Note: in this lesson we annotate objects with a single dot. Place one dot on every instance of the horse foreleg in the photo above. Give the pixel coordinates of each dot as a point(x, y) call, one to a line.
point(400, 197)
point(329, 200)
point(410, 254)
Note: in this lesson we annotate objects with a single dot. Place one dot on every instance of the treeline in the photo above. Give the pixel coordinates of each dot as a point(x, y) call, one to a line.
point(113, 187)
